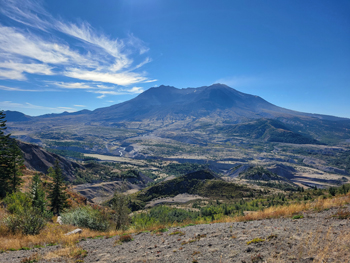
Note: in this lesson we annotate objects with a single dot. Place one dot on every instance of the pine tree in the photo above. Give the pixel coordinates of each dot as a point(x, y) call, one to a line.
point(11, 161)
point(57, 195)
point(15, 167)
point(4, 141)
point(120, 203)
point(37, 194)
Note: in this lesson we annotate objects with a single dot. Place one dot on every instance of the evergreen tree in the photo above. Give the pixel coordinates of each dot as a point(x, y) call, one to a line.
point(119, 203)
point(37, 194)
point(57, 195)
point(15, 166)
point(4, 141)
point(11, 161)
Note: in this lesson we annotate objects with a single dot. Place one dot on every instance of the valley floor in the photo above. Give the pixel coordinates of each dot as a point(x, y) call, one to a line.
point(318, 237)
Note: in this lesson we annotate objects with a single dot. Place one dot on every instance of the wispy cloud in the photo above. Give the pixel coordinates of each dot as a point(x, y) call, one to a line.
point(97, 88)
point(237, 81)
point(89, 55)
point(71, 85)
point(80, 106)
point(134, 90)
point(17, 89)
point(16, 106)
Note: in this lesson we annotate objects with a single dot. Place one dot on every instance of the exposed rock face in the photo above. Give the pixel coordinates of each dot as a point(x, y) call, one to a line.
point(96, 192)
point(38, 159)
point(283, 170)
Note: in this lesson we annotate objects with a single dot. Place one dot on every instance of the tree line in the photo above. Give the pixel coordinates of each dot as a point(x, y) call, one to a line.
point(11, 173)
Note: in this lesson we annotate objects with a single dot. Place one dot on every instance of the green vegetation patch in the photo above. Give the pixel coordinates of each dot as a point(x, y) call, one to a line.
point(297, 217)
point(179, 169)
point(203, 183)
point(255, 240)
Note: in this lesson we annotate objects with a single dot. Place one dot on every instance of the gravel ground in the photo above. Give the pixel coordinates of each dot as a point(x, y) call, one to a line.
point(282, 240)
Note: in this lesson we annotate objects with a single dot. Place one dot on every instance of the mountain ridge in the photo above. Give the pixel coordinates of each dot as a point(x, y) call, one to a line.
point(178, 104)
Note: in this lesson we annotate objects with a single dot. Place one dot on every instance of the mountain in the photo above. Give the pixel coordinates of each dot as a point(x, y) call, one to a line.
point(170, 102)
point(205, 109)
point(217, 101)
point(65, 113)
point(16, 116)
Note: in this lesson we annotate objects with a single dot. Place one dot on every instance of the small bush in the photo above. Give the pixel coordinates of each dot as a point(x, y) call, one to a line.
point(125, 238)
point(255, 240)
point(18, 202)
point(122, 239)
point(180, 233)
point(29, 223)
point(298, 217)
point(31, 259)
point(86, 217)
point(341, 214)
point(332, 191)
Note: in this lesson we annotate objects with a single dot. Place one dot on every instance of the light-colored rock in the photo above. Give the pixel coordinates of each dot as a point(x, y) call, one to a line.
point(76, 231)
point(59, 220)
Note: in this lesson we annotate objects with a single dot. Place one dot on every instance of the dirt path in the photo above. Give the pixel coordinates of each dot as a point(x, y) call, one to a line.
point(316, 237)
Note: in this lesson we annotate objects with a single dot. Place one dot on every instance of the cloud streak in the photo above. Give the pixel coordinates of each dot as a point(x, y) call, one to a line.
point(15, 106)
point(88, 56)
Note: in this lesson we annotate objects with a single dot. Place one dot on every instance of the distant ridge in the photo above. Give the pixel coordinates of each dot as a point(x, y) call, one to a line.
point(217, 101)
point(16, 116)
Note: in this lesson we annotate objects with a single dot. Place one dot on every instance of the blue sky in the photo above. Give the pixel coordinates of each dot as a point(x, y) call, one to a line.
point(71, 55)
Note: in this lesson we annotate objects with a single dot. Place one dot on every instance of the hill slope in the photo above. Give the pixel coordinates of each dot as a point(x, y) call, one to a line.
point(38, 159)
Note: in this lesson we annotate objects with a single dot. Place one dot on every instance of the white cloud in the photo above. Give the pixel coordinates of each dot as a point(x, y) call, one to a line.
point(11, 74)
point(136, 90)
point(71, 85)
point(26, 12)
point(122, 79)
point(9, 105)
point(66, 108)
point(97, 88)
point(89, 56)
point(23, 45)
point(17, 89)
point(13, 70)
point(80, 106)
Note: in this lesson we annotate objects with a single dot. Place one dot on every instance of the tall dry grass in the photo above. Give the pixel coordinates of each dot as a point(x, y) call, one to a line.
point(52, 234)
point(292, 209)
point(55, 234)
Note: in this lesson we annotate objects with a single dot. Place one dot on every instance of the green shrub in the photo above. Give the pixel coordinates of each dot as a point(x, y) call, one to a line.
point(87, 217)
point(18, 202)
point(332, 191)
point(163, 215)
point(298, 217)
point(119, 204)
point(30, 222)
point(255, 240)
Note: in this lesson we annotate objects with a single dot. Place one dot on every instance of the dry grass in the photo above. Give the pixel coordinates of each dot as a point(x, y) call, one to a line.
point(55, 234)
point(332, 247)
point(290, 210)
point(319, 247)
point(52, 234)
point(69, 253)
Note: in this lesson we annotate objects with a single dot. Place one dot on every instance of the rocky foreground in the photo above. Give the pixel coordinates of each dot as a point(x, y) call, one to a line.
point(318, 237)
